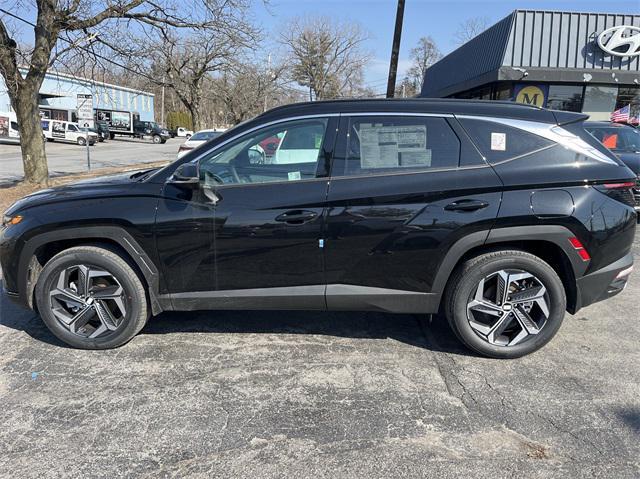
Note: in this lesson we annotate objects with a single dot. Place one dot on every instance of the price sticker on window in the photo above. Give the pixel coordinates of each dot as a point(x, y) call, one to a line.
point(498, 141)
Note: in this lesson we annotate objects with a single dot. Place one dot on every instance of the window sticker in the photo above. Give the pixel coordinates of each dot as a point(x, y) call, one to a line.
point(393, 146)
point(498, 141)
point(294, 175)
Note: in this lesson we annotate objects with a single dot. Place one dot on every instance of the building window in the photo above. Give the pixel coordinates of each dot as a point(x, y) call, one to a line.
point(599, 101)
point(502, 92)
point(565, 97)
point(629, 96)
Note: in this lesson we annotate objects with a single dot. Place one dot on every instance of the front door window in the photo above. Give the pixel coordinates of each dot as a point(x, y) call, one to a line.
point(288, 151)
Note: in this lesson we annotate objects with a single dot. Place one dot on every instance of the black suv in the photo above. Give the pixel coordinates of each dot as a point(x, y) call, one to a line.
point(624, 142)
point(499, 215)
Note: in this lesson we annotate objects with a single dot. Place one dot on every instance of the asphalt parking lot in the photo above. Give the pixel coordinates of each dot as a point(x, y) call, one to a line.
point(66, 158)
point(298, 394)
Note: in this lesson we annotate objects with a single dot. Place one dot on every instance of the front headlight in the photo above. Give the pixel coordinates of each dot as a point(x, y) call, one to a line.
point(8, 220)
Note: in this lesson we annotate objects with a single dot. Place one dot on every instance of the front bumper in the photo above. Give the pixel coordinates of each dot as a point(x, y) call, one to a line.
point(604, 283)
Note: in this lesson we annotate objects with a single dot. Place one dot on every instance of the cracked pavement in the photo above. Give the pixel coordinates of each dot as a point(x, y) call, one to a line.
point(300, 394)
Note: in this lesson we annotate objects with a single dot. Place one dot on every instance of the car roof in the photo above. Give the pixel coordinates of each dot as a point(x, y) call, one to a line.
point(502, 109)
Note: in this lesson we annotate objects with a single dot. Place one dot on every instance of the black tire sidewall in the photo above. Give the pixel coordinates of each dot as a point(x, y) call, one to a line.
point(470, 280)
point(126, 277)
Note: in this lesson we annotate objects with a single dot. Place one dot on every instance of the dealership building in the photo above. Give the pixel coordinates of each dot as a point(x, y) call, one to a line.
point(584, 62)
point(58, 98)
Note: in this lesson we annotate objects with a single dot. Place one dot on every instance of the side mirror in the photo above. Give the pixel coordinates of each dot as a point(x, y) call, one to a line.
point(186, 175)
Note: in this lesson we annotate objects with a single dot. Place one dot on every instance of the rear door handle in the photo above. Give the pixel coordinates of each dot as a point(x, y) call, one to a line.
point(466, 205)
point(296, 217)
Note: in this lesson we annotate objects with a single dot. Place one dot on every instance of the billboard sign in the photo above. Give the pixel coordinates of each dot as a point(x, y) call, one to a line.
point(117, 120)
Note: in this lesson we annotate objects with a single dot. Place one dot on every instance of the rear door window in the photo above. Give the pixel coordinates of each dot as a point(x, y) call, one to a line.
point(394, 144)
point(498, 142)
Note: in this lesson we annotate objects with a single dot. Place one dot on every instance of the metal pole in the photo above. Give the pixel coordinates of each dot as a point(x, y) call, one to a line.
point(395, 50)
point(162, 107)
point(88, 153)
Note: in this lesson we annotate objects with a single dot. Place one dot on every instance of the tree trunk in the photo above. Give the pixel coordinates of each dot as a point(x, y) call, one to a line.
point(34, 159)
point(196, 119)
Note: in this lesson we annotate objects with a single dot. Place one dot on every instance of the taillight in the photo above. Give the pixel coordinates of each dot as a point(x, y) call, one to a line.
point(620, 191)
point(580, 249)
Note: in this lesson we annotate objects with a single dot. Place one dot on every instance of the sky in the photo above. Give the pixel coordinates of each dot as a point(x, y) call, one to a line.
point(440, 19)
point(437, 18)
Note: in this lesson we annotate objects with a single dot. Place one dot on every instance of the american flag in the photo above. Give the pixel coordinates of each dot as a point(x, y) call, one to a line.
point(622, 114)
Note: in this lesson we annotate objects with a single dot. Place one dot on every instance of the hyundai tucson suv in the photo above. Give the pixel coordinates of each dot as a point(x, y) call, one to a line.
point(501, 216)
point(624, 142)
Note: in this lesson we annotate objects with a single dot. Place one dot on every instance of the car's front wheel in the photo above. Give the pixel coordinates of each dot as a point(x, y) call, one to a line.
point(91, 298)
point(505, 304)
point(81, 141)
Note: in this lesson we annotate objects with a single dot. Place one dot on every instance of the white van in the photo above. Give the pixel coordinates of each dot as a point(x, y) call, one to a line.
point(9, 131)
point(55, 130)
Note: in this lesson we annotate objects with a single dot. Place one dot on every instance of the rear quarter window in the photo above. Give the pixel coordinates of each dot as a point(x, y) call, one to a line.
point(498, 142)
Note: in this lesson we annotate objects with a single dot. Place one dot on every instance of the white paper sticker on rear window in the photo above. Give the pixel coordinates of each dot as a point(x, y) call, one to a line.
point(393, 146)
point(498, 141)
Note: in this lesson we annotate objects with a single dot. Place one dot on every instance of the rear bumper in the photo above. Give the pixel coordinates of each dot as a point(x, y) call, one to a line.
point(604, 283)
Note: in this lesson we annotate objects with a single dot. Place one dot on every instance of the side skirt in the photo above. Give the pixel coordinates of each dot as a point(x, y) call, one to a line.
point(333, 297)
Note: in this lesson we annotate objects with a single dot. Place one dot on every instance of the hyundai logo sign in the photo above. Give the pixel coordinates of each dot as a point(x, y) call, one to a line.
point(622, 41)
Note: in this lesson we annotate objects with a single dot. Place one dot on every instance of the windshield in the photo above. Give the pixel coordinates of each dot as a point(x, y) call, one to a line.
point(625, 140)
point(205, 135)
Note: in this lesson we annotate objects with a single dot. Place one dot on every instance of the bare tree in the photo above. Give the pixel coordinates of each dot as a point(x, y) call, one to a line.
point(471, 28)
point(66, 26)
point(247, 90)
point(423, 55)
point(326, 56)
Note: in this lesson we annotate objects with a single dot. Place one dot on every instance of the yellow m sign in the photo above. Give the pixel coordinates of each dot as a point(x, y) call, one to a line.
point(531, 95)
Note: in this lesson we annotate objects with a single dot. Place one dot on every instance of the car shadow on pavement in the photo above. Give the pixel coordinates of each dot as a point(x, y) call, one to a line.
point(432, 333)
point(424, 331)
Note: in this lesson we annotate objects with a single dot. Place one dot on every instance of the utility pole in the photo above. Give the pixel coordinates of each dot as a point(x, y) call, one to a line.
point(267, 80)
point(162, 107)
point(395, 50)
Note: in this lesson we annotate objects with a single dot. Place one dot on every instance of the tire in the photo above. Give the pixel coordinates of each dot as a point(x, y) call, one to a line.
point(128, 295)
point(472, 287)
point(157, 139)
point(81, 141)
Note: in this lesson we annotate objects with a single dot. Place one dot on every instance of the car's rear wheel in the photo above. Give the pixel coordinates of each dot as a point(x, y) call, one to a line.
point(91, 298)
point(505, 304)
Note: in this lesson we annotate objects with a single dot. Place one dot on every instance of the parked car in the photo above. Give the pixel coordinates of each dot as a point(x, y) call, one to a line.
point(624, 142)
point(68, 132)
point(180, 132)
point(198, 139)
point(482, 210)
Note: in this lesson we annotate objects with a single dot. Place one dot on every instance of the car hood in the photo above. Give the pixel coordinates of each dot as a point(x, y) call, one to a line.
point(632, 160)
point(99, 187)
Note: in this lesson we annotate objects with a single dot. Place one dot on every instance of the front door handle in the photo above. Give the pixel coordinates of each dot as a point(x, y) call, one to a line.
point(466, 205)
point(296, 217)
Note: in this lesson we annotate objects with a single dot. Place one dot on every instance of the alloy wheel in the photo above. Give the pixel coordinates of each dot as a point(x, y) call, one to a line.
point(88, 301)
point(508, 307)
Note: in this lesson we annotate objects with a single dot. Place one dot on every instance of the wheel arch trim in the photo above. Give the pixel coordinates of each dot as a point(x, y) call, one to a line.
point(113, 234)
point(555, 234)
